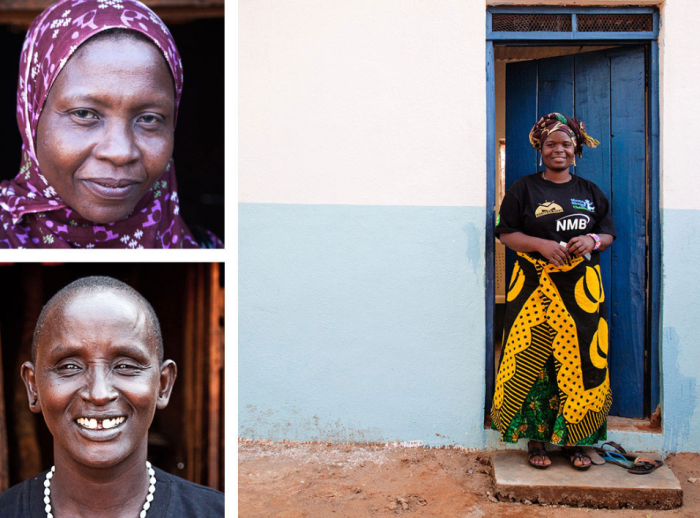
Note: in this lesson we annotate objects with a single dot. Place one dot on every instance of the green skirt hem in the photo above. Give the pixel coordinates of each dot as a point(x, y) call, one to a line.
point(539, 418)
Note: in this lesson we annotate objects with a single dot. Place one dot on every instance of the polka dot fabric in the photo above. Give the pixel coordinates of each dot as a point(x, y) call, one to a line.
point(546, 320)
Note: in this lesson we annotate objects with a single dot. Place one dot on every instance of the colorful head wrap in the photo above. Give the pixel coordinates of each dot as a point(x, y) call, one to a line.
point(32, 215)
point(558, 122)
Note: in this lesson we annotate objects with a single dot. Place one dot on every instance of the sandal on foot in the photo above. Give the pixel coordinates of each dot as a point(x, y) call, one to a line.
point(535, 452)
point(577, 454)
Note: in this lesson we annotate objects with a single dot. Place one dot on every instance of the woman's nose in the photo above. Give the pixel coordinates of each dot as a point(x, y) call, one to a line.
point(117, 144)
point(99, 389)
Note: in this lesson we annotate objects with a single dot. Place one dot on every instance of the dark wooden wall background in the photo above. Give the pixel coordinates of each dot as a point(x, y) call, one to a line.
point(198, 29)
point(186, 438)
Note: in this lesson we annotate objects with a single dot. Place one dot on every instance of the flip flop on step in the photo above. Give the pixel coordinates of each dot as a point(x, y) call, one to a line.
point(613, 457)
point(645, 465)
point(633, 464)
point(616, 447)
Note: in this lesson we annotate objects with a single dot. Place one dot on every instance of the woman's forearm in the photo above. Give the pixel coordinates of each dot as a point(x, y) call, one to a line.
point(605, 241)
point(554, 252)
point(520, 242)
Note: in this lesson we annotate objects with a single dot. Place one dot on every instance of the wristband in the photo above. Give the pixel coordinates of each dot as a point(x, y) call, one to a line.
point(596, 239)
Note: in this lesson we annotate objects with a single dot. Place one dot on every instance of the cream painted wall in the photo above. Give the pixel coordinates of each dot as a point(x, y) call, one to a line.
point(680, 103)
point(362, 102)
point(384, 103)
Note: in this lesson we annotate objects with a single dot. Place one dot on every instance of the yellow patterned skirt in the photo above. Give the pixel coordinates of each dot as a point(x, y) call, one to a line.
point(556, 312)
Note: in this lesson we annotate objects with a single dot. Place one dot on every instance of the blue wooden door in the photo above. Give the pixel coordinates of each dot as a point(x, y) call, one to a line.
point(606, 90)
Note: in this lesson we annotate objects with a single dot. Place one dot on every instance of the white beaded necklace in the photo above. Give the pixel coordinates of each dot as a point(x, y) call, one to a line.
point(146, 505)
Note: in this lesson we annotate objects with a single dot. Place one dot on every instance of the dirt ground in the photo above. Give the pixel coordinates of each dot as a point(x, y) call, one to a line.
point(321, 480)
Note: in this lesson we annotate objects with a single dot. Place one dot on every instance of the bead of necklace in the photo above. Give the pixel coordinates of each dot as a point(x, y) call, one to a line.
point(146, 505)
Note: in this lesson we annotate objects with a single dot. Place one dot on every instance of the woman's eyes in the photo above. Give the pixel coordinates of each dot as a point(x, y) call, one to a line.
point(150, 119)
point(70, 368)
point(121, 367)
point(126, 367)
point(85, 115)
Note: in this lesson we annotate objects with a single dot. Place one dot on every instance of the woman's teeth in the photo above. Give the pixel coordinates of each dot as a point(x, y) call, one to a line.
point(100, 424)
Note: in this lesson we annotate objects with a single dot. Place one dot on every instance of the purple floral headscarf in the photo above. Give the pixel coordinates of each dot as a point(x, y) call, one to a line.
point(32, 215)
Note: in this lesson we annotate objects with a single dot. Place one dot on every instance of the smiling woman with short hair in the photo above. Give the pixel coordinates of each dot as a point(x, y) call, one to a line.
point(99, 89)
point(98, 376)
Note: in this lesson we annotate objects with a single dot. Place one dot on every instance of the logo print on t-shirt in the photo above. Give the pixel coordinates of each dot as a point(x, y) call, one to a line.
point(573, 222)
point(548, 207)
point(583, 205)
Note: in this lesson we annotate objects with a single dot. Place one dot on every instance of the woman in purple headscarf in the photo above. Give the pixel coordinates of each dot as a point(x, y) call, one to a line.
point(97, 99)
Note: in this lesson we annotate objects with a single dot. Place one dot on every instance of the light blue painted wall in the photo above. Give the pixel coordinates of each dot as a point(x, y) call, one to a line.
point(366, 323)
point(361, 323)
point(680, 348)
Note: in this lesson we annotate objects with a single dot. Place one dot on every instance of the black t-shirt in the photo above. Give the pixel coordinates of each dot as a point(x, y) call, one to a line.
point(174, 498)
point(556, 211)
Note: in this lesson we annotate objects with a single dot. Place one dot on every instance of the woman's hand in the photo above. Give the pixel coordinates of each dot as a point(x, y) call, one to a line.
point(550, 250)
point(580, 245)
point(553, 252)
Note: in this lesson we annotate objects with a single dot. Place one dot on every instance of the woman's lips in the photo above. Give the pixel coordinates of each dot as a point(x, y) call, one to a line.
point(100, 424)
point(111, 189)
point(100, 430)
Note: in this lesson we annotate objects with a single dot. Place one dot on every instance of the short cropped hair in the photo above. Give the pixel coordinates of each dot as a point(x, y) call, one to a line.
point(96, 284)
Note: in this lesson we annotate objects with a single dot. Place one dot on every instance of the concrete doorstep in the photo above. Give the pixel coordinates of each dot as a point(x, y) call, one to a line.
point(606, 486)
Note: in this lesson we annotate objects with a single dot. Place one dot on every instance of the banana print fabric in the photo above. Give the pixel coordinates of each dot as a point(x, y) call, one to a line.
point(554, 315)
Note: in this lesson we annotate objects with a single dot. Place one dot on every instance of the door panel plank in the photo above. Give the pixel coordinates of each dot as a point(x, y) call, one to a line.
point(521, 114)
point(629, 210)
point(592, 106)
point(555, 86)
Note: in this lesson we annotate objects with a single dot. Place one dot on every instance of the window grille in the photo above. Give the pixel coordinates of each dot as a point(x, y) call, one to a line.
point(615, 22)
point(531, 22)
point(542, 22)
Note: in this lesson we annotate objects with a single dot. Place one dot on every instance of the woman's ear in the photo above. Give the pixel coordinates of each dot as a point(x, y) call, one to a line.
point(27, 373)
point(168, 373)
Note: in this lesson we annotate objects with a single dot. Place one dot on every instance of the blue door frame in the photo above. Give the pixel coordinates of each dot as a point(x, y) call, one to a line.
point(653, 221)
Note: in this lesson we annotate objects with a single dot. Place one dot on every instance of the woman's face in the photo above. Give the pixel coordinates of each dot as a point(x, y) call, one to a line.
point(558, 151)
point(105, 134)
point(97, 378)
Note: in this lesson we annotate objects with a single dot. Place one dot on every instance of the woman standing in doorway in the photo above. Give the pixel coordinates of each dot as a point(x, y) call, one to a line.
point(553, 383)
